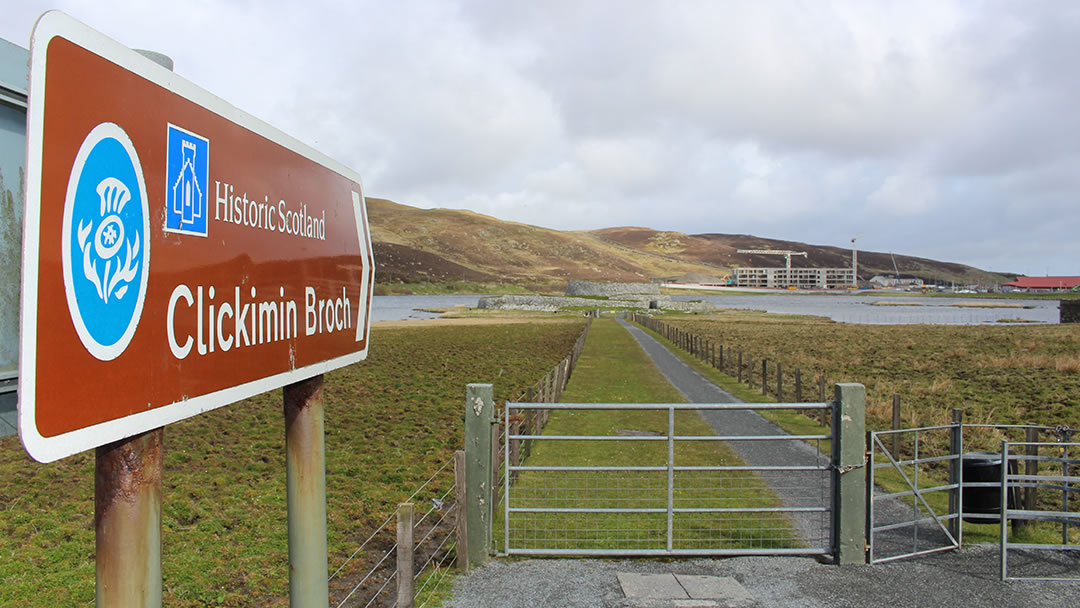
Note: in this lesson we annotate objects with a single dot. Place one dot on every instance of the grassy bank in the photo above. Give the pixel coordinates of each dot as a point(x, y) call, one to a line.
point(614, 369)
point(391, 421)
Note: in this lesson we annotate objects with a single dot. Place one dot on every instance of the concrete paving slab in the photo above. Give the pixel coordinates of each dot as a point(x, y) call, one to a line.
point(651, 586)
point(714, 588)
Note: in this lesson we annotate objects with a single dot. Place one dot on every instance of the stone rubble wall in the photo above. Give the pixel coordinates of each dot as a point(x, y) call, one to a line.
point(611, 290)
point(553, 303)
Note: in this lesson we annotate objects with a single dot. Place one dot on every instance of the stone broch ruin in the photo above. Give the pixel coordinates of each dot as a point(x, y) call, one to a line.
point(596, 294)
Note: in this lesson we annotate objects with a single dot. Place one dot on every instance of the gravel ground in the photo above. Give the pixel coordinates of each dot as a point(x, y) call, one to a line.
point(968, 577)
point(960, 578)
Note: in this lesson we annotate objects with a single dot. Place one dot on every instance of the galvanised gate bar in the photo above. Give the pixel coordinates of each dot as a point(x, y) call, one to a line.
point(661, 507)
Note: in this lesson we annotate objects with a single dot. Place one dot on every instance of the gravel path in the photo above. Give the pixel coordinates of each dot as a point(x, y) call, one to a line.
point(968, 577)
point(795, 488)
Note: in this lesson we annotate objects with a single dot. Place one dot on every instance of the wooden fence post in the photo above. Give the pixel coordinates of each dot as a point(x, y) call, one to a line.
point(1031, 467)
point(895, 443)
point(955, 443)
point(764, 376)
point(495, 465)
point(515, 444)
point(405, 566)
point(825, 418)
point(740, 365)
point(460, 498)
point(798, 385)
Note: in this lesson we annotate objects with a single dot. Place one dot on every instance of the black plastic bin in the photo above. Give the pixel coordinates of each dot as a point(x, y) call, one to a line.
point(983, 505)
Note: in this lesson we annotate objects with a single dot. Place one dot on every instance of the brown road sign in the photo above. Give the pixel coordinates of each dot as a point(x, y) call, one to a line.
point(180, 254)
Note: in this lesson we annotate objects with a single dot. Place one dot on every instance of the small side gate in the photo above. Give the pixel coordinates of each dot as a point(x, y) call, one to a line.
point(649, 490)
point(1043, 479)
point(919, 518)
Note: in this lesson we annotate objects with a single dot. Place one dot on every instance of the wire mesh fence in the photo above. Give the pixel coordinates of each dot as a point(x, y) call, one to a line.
point(661, 507)
point(628, 510)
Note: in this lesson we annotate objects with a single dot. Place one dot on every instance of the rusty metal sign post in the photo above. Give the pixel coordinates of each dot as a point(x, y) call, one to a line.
point(179, 255)
point(127, 507)
point(305, 473)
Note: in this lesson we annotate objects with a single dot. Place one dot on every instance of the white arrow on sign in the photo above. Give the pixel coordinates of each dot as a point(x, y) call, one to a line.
point(360, 211)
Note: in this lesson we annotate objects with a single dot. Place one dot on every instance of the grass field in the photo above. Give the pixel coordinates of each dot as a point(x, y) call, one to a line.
point(614, 369)
point(1047, 355)
point(391, 421)
point(996, 374)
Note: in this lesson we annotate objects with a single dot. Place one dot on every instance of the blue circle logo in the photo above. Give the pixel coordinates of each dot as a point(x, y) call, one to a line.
point(106, 246)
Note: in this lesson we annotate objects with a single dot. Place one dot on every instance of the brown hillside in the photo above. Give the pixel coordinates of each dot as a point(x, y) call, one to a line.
point(427, 244)
point(436, 245)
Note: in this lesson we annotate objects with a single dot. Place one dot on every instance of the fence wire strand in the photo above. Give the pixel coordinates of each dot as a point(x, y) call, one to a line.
point(439, 504)
point(361, 547)
point(442, 571)
point(368, 575)
point(436, 552)
point(435, 506)
point(381, 589)
point(436, 526)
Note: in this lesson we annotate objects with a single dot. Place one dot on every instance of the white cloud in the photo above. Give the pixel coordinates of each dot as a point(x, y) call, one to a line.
point(806, 121)
point(904, 194)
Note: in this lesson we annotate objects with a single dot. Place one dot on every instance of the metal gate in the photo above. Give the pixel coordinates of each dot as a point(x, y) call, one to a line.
point(664, 502)
point(920, 517)
point(1049, 479)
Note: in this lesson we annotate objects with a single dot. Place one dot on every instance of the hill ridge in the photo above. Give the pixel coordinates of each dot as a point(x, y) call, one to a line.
point(440, 245)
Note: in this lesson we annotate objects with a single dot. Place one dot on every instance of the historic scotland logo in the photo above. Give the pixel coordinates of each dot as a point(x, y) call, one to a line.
point(187, 173)
point(106, 253)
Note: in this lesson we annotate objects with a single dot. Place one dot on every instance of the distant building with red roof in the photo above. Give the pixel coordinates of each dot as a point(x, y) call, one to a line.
point(1044, 283)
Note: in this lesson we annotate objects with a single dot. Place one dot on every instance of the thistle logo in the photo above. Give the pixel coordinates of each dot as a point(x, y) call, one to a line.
point(187, 173)
point(106, 254)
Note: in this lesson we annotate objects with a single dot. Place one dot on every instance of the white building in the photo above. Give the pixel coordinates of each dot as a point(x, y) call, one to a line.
point(799, 278)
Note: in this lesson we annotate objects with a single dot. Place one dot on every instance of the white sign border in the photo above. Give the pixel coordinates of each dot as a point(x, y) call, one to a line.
point(56, 24)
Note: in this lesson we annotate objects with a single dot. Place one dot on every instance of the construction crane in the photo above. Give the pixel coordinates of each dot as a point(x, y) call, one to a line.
point(787, 254)
point(854, 262)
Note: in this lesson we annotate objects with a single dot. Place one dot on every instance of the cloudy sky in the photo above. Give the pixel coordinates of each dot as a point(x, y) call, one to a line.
point(941, 129)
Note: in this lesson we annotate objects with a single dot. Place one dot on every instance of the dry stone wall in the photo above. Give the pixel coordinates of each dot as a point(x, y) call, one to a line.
point(617, 298)
point(611, 290)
